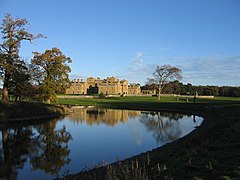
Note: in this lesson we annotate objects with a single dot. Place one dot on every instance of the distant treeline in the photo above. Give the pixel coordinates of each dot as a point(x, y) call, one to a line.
point(177, 87)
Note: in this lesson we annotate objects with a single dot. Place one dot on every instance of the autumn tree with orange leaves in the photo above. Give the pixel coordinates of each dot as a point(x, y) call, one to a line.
point(54, 66)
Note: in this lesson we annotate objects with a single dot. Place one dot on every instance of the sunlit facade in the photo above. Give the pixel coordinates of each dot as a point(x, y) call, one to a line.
point(110, 85)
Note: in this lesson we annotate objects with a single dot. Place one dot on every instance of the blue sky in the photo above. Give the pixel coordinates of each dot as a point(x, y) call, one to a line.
point(129, 38)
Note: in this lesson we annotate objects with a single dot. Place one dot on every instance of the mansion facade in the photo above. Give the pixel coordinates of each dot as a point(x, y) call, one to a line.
point(111, 85)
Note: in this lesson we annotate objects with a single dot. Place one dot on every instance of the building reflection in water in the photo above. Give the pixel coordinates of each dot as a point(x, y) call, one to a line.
point(96, 116)
point(164, 126)
point(45, 146)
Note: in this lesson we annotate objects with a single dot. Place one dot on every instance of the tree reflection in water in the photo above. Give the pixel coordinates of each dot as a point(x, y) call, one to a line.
point(17, 144)
point(165, 126)
point(52, 149)
point(42, 150)
point(46, 148)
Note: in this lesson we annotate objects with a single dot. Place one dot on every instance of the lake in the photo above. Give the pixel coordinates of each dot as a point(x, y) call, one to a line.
point(86, 138)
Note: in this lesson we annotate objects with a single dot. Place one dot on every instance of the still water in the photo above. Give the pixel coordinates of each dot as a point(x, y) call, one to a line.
point(86, 138)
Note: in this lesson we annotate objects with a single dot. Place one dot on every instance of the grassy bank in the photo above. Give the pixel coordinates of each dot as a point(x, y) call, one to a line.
point(14, 111)
point(209, 152)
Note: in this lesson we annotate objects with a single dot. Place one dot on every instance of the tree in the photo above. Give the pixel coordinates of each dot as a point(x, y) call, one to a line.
point(13, 33)
point(211, 91)
point(53, 64)
point(163, 75)
point(174, 87)
point(20, 85)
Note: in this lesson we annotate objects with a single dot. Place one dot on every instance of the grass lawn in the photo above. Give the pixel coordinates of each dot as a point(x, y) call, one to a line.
point(212, 151)
point(142, 99)
point(151, 103)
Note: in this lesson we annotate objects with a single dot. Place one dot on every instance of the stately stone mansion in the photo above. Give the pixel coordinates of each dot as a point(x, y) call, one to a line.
point(111, 85)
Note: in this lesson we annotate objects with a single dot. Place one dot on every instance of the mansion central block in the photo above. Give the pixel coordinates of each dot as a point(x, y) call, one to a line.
point(111, 85)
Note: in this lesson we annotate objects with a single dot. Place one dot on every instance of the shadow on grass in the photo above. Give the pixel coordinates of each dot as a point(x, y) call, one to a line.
point(27, 109)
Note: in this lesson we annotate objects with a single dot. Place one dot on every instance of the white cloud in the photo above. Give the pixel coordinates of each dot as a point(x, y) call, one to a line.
point(164, 49)
point(218, 70)
point(211, 70)
point(139, 55)
point(137, 62)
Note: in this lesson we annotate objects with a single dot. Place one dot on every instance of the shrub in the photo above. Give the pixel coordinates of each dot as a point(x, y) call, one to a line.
point(102, 96)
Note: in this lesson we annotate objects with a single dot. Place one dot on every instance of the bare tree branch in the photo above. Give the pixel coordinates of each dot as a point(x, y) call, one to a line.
point(163, 75)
